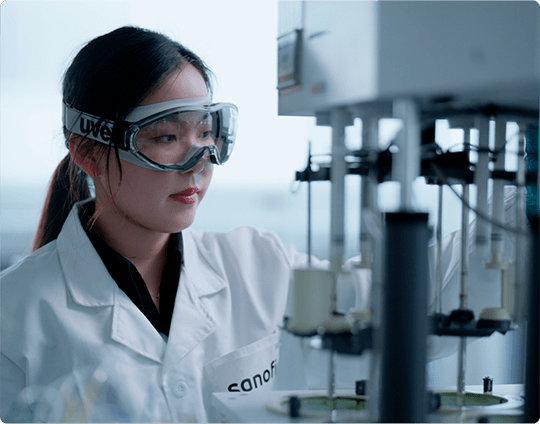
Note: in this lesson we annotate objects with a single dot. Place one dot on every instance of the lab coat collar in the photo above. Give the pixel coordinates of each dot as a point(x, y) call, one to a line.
point(87, 277)
point(91, 285)
point(192, 322)
point(190, 325)
point(207, 277)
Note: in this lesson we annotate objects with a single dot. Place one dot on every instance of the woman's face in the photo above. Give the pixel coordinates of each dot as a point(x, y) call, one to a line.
point(158, 201)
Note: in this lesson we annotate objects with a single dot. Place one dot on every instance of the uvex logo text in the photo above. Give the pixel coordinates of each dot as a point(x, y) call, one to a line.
point(248, 384)
point(95, 129)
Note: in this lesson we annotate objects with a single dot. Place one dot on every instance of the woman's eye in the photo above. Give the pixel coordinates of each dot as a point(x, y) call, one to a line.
point(206, 134)
point(167, 138)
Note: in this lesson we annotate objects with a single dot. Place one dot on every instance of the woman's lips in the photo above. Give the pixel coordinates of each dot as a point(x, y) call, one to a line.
point(186, 196)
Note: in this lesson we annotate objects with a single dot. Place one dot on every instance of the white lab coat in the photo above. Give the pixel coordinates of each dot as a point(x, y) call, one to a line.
point(76, 348)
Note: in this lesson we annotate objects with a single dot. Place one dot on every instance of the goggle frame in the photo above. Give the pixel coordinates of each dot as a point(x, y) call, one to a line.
point(102, 130)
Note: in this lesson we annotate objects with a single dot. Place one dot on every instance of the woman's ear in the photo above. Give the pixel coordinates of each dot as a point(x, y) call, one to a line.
point(82, 156)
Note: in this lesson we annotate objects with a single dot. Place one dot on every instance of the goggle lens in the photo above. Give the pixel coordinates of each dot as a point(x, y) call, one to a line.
point(167, 140)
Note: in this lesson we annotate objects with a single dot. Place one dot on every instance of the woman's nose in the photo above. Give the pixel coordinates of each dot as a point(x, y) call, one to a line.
point(199, 166)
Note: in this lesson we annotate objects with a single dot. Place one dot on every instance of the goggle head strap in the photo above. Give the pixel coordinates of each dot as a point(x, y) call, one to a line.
point(101, 129)
point(87, 125)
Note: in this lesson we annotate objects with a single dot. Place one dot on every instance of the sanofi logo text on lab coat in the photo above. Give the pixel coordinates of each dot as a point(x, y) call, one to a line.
point(248, 384)
point(252, 367)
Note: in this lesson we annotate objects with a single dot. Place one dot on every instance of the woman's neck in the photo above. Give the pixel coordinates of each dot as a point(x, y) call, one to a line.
point(144, 248)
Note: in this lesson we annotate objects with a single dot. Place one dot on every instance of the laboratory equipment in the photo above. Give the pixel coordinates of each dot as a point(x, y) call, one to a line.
point(419, 63)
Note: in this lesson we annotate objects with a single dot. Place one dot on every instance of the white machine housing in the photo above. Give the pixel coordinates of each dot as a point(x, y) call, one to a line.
point(343, 53)
point(414, 61)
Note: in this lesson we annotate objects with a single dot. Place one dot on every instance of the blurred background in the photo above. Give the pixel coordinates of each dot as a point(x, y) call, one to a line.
point(237, 39)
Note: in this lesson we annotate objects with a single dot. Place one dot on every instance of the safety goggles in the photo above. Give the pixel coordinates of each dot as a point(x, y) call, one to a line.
point(168, 136)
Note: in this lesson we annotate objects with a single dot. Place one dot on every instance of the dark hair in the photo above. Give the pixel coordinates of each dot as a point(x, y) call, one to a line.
point(109, 77)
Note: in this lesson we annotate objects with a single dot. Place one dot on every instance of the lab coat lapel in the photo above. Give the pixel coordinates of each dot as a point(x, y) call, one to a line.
point(91, 285)
point(87, 278)
point(132, 329)
point(191, 321)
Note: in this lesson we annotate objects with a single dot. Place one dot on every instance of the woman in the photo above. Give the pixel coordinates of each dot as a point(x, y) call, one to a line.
point(120, 314)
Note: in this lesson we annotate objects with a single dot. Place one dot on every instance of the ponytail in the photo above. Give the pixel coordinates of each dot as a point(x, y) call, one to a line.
point(68, 186)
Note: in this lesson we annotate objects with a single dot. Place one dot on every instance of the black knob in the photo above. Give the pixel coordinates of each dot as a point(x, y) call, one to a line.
point(294, 406)
point(434, 401)
point(461, 316)
point(361, 387)
point(488, 384)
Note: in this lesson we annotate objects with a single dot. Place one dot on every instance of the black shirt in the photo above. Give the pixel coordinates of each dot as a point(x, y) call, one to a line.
point(130, 281)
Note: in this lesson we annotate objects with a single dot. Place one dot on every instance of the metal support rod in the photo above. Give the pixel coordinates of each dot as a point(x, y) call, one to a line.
point(339, 119)
point(376, 301)
point(497, 242)
point(406, 165)
point(309, 206)
point(331, 374)
point(519, 242)
point(464, 271)
point(464, 236)
point(464, 263)
point(438, 264)
point(331, 384)
point(481, 178)
point(404, 322)
point(368, 194)
point(462, 355)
